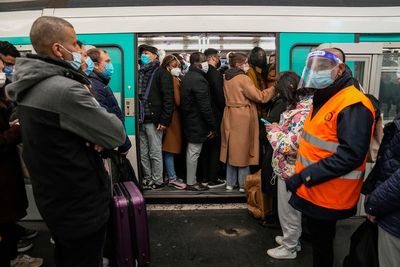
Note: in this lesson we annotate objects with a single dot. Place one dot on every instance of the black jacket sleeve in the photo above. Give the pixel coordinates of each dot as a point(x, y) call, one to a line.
point(216, 82)
point(354, 133)
point(167, 90)
point(202, 98)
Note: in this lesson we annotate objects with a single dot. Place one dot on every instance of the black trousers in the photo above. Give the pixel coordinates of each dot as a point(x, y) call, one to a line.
point(322, 235)
point(209, 166)
point(82, 252)
point(8, 243)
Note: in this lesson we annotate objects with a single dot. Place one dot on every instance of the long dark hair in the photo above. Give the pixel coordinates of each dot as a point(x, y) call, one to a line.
point(286, 87)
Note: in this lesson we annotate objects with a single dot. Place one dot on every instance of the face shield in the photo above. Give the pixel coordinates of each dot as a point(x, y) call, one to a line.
point(317, 74)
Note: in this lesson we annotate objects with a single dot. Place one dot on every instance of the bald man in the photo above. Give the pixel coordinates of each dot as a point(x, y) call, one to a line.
point(63, 129)
point(331, 163)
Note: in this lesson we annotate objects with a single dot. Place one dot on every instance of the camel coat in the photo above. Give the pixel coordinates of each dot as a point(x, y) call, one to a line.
point(173, 136)
point(239, 128)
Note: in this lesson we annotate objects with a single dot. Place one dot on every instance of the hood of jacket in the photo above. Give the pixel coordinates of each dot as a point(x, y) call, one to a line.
point(33, 69)
point(231, 73)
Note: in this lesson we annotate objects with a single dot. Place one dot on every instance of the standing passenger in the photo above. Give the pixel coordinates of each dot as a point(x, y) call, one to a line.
point(156, 105)
point(100, 78)
point(209, 164)
point(332, 153)
point(63, 128)
point(172, 143)
point(198, 118)
point(284, 138)
point(239, 128)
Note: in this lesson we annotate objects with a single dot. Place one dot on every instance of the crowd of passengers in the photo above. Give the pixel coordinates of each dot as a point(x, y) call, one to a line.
point(309, 134)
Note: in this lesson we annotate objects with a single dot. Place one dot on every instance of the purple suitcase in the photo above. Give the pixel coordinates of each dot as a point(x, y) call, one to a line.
point(130, 226)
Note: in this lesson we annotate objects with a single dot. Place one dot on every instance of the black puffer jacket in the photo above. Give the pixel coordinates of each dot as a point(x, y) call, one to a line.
point(198, 118)
point(383, 184)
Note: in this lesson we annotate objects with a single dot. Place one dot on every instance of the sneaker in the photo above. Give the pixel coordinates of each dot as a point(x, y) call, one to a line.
point(281, 253)
point(196, 187)
point(205, 184)
point(241, 190)
point(216, 184)
point(177, 184)
point(29, 233)
point(229, 187)
point(26, 261)
point(156, 186)
point(279, 238)
point(24, 245)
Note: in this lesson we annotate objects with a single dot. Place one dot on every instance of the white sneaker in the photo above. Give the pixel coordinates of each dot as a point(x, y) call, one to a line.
point(26, 261)
point(281, 253)
point(279, 238)
point(229, 188)
point(241, 190)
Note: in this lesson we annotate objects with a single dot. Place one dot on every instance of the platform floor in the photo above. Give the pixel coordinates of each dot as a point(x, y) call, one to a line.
point(223, 237)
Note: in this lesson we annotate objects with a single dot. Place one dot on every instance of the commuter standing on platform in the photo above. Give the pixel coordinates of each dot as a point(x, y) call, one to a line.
point(63, 130)
point(332, 154)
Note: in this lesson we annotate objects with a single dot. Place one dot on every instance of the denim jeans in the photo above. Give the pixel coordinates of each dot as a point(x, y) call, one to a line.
point(169, 165)
point(151, 153)
point(235, 174)
point(192, 157)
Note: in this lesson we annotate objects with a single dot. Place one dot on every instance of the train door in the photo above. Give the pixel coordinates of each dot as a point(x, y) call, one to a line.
point(185, 44)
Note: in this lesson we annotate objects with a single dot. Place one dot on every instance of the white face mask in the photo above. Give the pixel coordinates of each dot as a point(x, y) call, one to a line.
point(2, 79)
point(175, 72)
point(204, 66)
point(246, 69)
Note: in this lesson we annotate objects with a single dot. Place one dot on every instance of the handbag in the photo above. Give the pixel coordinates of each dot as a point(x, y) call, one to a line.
point(363, 247)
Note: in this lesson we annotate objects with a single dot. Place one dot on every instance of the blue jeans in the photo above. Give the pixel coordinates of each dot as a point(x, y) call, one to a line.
point(236, 174)
point(169, 165)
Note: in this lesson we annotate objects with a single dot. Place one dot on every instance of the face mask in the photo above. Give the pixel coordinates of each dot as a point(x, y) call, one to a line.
point(204, 67)
point(176, 72)
point(90, 66)
point(8, 70)
point(321, 79)
point(76, 59)
point(108, 71)
point(145, 59)
point(2, 79)
point(246, 69)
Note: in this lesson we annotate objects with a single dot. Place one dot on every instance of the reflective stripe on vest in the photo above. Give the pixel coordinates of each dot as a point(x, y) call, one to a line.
point(330, 146)
point(354, 175)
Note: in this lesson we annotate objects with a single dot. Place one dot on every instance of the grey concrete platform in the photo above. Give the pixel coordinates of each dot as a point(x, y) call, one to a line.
point(211, 238)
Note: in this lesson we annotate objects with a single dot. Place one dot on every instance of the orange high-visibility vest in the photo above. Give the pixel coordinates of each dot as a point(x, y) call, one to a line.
point(319, 141)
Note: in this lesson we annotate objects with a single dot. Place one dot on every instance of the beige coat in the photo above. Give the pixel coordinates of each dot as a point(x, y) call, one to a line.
point(172, 142)
point(239, 128)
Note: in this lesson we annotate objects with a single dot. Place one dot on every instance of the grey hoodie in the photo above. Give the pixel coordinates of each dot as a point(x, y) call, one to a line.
point(58, 118)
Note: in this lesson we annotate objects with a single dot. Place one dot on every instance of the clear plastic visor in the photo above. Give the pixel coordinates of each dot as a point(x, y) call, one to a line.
point(317, 73)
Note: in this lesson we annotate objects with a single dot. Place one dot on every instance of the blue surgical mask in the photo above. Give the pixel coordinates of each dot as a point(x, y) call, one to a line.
point(108, 71)
point(8, 70)
point(76, 59)
point(145, 59)
point(321, 79)
point(90, 66)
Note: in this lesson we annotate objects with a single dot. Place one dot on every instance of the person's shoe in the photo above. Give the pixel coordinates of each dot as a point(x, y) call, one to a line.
point(241, 190)
point(229, 187)
point(196, 187)
point(29, 233)
point(279, 238)
point(26, 261)
point(156, 186)
point(216, 184)
point(24, 245)
point(205, 184)
point(281, 253)
point(177, 184)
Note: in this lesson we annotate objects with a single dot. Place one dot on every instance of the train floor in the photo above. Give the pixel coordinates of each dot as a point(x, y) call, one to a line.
point(221, 237)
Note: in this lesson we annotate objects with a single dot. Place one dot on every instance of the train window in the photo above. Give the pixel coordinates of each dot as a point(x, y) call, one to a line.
point(389, 92)
point(298, 56)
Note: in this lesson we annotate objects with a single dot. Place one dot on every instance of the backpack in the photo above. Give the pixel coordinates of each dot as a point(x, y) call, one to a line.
point(377, 131)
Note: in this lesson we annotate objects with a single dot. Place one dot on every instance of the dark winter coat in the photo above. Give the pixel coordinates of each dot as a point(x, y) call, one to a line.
point(13, 201)
point(160, 103)
point(60, 123)
point(383, 183)
point(216, 82)
point(198, 118)
point(106, 99)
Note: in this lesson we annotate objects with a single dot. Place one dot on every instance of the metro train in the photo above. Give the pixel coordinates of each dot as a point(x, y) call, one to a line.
point(367, 31)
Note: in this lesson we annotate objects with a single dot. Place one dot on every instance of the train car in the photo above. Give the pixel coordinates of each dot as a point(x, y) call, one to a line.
point(367, 31)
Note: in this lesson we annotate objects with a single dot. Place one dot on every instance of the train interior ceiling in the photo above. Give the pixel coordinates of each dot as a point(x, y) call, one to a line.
point(188, 43)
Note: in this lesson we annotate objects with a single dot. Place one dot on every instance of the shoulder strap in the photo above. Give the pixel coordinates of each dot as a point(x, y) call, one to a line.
point(148, 87)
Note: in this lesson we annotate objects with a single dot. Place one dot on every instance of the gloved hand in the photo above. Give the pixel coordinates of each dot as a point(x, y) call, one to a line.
point(293, 183)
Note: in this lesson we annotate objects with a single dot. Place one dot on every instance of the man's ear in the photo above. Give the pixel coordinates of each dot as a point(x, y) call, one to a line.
point(342, 69)
point(56, 50)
